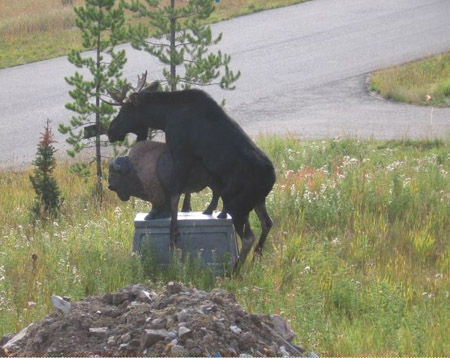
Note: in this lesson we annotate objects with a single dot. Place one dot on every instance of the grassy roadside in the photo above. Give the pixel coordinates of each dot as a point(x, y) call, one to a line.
point(358, 260)
point(32, 30)
point(424, 82)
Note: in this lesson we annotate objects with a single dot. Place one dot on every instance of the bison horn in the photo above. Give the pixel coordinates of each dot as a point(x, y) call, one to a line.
point(122, 164)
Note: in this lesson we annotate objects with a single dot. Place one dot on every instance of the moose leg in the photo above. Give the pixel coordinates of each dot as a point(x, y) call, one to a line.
point(186, 203)
point(243, 229)
point(177, 183)
point(266, 225)
point(174, 201)
point(213, 204)
point(247, 241)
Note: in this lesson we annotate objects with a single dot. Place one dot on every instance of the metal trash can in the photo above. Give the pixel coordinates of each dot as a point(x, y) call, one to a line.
point(210, 240)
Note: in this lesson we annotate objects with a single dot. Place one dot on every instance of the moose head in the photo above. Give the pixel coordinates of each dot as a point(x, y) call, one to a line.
point(129, 118)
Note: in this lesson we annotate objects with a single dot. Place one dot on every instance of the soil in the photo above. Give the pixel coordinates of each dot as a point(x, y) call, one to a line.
point(137, 321)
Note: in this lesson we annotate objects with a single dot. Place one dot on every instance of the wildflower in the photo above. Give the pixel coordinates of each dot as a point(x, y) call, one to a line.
point(2, 273)
point(406, 182)
point(288, 173)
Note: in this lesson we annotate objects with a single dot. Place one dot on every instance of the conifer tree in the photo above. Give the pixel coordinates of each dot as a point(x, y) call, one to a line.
point(182, 44)
point(48, 197)
point(103, 26)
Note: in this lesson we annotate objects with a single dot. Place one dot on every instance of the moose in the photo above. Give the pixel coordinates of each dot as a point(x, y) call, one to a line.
point(197, 128)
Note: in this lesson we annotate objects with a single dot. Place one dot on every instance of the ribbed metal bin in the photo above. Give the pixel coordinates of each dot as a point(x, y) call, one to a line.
point(210, 240)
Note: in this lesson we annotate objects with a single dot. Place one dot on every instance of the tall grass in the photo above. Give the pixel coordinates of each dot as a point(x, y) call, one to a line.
point(32, 30)
point(425, 82)
point(358, 260)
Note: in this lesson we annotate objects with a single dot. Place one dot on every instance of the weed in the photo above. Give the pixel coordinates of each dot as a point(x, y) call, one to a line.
point(358, 260)
point(424, 82)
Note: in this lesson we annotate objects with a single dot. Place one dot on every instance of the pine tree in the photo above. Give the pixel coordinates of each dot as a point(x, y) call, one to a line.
point(48, 197)
point(182, 43)
point(103, 26)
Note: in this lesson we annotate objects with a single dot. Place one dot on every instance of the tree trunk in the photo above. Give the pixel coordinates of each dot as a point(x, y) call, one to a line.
point(98, 156)
point(173, 68)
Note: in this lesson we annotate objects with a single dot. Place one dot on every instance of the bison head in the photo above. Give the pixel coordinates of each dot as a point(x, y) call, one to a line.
point(122, 178)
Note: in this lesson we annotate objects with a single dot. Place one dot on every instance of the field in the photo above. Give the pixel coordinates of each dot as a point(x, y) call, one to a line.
point(424, 82)
point(32, 30)
point(358, 260)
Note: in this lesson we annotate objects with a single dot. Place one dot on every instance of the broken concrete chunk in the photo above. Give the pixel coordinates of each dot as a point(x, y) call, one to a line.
point(183, 331)
point(99, 331)
point(17, 339)
point(235, 329)
point(61, 304)
point(282, 327)
point(151, 336)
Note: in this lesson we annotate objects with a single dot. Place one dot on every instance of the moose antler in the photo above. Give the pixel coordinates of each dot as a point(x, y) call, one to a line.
point(141, 82)
point(120, 95)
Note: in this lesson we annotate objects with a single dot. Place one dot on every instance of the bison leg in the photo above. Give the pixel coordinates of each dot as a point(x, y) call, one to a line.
point(160, 212)
point(266, 225)
point(186, 203)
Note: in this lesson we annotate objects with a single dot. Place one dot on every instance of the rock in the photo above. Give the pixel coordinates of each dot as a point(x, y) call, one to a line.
point(60, 304)
point(176, 321)
point(173, 288)
point(17, 339)
point(159, 323)
point(246, 341)
point(282, 327)
point(151, 336)
point(99, 331)
point(178, 351)
point(195, 352)
point(115, 299)
point(284, 352)
point(183, 331)
point(6, 338)
point(235, 329)
point(126, 337)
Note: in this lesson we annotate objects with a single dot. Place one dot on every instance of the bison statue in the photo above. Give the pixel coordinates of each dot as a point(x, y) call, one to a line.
point(146, 173)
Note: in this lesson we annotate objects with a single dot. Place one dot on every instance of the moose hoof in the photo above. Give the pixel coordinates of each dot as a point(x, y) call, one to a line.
point(258, 251)
point(222, 215)
point(207, 212)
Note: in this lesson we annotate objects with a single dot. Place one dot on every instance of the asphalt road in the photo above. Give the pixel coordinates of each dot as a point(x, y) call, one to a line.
point(303, 68)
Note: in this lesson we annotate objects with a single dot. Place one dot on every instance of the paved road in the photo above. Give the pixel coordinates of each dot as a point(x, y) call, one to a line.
point(303, 67)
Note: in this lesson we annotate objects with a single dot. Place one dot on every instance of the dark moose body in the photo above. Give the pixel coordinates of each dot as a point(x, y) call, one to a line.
point(196, 127)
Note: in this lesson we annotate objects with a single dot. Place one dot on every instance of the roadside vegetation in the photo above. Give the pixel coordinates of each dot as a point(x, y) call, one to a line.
point(358, 260)
point(424, 82)
point(32, 30)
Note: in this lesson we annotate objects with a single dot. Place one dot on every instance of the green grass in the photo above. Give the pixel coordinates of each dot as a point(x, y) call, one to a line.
point(425, 82)
point(33, 30)
point(358, 259)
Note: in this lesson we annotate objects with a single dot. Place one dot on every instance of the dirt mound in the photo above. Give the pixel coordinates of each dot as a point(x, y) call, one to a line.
point(137, 321)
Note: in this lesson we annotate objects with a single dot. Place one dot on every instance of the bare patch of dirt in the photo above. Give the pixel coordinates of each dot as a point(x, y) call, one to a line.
point(137, 321)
